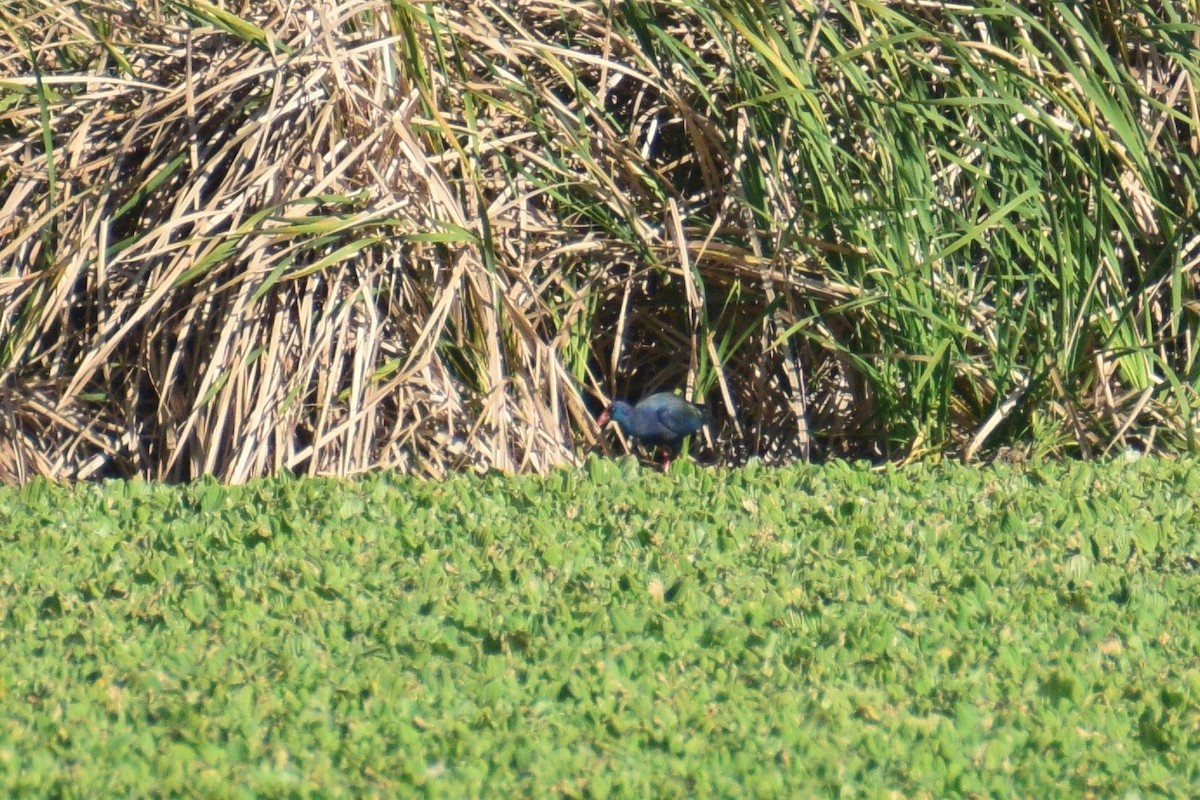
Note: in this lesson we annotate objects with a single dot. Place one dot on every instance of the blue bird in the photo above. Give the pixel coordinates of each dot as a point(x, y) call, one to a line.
point(661, 420)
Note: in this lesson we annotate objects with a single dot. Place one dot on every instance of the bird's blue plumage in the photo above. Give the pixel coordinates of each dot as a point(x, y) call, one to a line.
point(662, 419)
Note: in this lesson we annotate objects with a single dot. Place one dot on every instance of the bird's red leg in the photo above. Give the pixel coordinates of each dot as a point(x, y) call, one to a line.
point(666, 457)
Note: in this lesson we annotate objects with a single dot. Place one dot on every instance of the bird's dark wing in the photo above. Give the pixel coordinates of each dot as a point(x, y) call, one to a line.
point(680, 418)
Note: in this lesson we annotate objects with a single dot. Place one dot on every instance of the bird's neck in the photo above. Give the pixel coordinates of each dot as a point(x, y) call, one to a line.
point(622, 412)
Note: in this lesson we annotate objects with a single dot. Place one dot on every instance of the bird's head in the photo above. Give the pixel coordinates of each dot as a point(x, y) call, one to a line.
point(618, 411)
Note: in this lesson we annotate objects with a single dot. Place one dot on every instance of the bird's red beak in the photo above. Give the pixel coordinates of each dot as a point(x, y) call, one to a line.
point(604, 417)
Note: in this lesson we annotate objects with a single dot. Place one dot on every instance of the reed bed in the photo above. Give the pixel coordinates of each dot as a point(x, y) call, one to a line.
point(330, 237)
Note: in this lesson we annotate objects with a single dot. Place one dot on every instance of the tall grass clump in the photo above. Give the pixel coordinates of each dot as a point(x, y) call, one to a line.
point(333, 236)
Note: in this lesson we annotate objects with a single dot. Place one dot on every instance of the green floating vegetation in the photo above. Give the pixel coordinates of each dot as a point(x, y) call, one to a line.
point(928, 631)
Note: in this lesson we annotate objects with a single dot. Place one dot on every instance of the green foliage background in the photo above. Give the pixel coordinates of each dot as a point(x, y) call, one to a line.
point(611, 632)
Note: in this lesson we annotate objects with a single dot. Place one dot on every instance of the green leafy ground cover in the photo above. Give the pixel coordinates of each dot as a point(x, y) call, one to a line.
point(811, 631)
